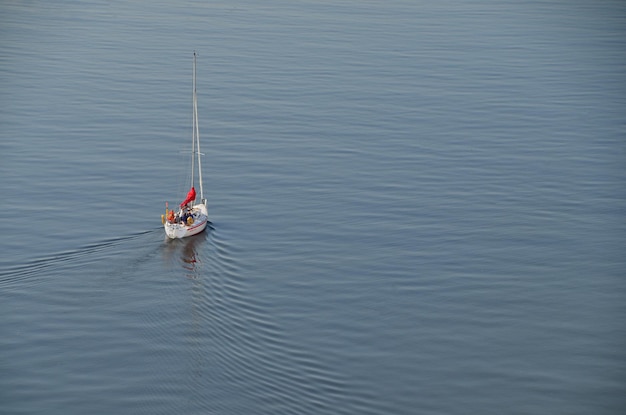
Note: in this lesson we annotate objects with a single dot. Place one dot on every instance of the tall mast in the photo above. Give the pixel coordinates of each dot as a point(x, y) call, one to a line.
point(193, 129)
point(196, 127)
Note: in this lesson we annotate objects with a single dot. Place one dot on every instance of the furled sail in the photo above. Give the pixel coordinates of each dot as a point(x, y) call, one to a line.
point(191, 196)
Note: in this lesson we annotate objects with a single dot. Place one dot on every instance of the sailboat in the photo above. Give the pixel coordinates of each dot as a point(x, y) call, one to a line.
point(190, 218)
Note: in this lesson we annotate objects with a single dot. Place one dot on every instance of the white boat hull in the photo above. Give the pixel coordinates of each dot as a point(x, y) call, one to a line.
point(180, 230)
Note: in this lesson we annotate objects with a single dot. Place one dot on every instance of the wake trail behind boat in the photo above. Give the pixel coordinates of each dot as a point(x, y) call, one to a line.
point(13, 276)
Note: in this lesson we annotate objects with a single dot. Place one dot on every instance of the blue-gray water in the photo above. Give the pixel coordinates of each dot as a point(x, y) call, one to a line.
point(417, 207)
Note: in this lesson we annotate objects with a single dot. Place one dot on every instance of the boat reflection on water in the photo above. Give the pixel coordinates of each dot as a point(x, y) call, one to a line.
point(186, 251)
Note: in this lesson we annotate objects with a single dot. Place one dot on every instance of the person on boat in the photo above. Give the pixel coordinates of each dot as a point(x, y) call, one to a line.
point(186, 213)
point(171, 216)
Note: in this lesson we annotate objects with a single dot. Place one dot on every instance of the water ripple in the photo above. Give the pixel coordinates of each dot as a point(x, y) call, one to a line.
point(20, 276)
point(237, 347)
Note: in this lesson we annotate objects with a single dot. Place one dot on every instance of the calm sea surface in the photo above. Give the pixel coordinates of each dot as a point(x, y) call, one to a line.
point(417, 207)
